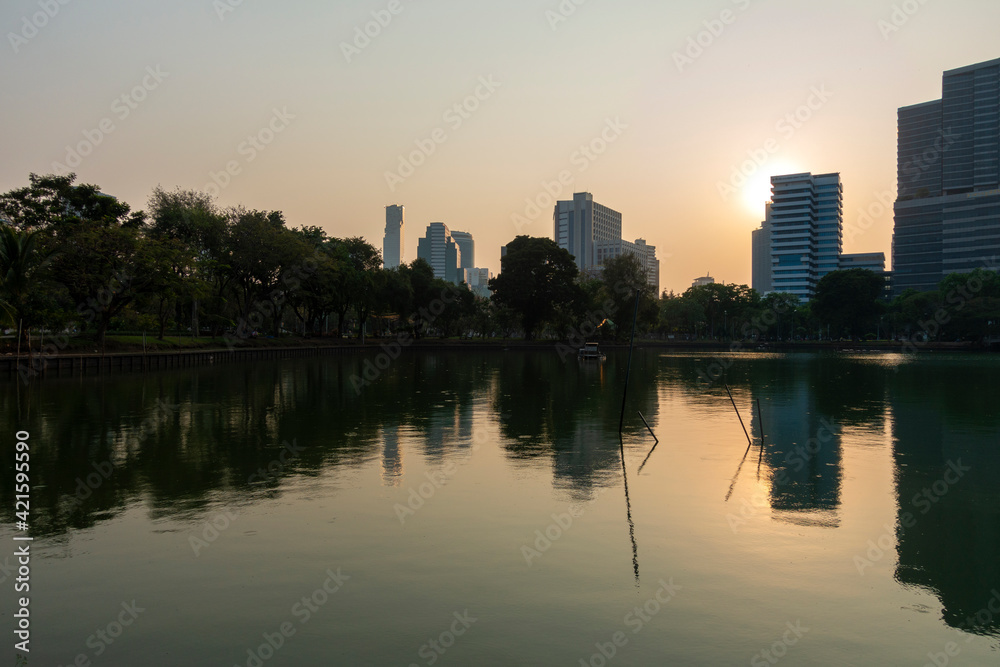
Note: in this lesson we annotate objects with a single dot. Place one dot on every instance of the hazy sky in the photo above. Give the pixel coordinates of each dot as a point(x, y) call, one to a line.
point(171, 92)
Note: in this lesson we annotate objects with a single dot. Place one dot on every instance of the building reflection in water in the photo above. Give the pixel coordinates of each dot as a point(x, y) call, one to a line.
point(946, 449)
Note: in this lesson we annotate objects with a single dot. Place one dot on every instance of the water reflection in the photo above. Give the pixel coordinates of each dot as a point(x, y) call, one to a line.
point(174, 442)
point(945, 440)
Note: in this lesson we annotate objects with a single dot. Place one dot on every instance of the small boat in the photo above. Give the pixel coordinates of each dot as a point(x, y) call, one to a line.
point(589, 352)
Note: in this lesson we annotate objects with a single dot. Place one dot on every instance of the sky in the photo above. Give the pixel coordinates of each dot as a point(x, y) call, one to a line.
point(476, 114)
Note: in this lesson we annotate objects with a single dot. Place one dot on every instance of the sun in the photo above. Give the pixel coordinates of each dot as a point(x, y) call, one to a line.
point(757, 191)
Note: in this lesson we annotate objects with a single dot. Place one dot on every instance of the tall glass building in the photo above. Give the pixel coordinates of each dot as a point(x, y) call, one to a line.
point(948, 170)
point(395, 233)
point(807, 231)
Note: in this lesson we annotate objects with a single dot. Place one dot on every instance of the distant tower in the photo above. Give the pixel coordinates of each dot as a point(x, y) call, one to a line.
point(392, 246)
point(468, 247)
point(441, 251)
point(762, 255)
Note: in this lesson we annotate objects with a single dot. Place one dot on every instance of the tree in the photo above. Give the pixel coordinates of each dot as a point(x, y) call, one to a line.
point(537, 276)
point(21, 261)
point(849, 302)
point(621, 278)
point(188, 219)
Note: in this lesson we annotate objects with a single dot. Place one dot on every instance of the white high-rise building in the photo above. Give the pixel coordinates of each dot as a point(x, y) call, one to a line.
point(581, 225)
point(592, 233)
point(807, 231)
point(393, 244)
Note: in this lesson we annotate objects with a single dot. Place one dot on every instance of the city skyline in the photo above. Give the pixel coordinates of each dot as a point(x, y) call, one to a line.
point(674, 110)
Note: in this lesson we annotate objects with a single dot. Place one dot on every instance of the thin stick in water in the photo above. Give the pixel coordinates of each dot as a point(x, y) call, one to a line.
point(749, 441)
point(760, 418)
point(628, 371)
point(648, 428)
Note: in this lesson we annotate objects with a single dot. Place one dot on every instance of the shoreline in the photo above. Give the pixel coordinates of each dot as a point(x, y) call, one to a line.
point(60, 364)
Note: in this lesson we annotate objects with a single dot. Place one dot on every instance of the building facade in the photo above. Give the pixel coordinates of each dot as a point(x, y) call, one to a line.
point(478, 281)
point(947, 212)
point(761, 278)
point(704, 280)
point(581, 225)
point(807, 223)
point(395, 237)
point(872, 261)
point(439, 249)
point(467, 246)
point(592, 233)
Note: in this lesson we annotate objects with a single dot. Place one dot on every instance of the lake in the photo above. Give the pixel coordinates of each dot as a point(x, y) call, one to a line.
point(479, 508)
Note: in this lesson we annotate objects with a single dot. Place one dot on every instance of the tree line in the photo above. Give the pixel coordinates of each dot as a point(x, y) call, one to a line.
point(73, 259)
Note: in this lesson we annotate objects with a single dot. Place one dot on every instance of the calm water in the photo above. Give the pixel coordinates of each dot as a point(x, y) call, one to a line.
point(473, 509)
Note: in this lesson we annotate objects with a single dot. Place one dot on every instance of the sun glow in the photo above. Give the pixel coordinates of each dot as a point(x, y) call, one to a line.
point(757, 190)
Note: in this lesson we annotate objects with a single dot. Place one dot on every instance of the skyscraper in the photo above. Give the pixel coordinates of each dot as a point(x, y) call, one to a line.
point(762, 255)
point(468, 247)
point(392, 245)
point(947, 209)
point(592, 233)
point(439, 249)
point(807, 223)
point(581, 225)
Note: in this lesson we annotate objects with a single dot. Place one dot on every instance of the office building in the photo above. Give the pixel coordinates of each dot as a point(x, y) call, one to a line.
point(947, 212)
point(761, 278)
point(701, 282)
point(467, 246)
point(392, 244)
point(439, 249)
point(807, 222)
point(872, 261)
point(592, 233)
point(581, 225)
point(478, 281)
